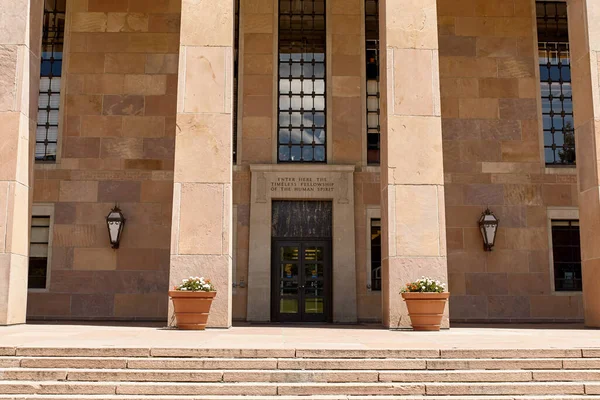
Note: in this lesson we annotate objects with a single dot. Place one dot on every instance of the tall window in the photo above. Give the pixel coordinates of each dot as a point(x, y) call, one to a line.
point(236, 68)
point(38, 252)
point(375, 254)
point(373, 95)
point(566, 252)
point(302, 45)
point(555, 76)
point(50, 77)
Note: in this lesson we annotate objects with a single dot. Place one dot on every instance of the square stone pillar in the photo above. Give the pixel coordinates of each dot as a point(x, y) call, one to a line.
point(584, 38)
point(412, 178)
point(20, 46)
point(202, 211)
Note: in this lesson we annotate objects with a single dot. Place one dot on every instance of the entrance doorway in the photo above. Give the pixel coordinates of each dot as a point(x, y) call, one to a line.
point(303, 279)
point(301, 261)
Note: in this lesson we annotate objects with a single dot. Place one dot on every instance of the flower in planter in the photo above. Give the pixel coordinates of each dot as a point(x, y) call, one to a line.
point(195, 284)
point(424, 285)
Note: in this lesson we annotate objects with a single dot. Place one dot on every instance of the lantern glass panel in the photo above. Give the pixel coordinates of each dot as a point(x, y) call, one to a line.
point(490, 233)
point(483, 234)
point(488, 225)
point(115, 221)
point(114, 227)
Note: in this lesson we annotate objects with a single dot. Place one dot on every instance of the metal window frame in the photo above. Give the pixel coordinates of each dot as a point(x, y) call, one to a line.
point(236, 80)
point(58, 39)
point(370, 47)
point(557, 263)
point(554, 214)
point(567, 134)
point(372, 213)
point(45, 210)
point(324, 95)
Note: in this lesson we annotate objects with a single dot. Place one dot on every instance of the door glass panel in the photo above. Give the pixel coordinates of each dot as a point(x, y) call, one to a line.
point(288, 306)
point(313, 271)
point(301, 288)
point(314, 288)
point(313, 306)
point(289, 271)
point(289, 288)
point(289, 253)
point(313, 254)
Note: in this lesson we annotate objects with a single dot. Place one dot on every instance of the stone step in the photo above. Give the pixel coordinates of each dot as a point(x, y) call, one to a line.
point(325, 397)
point(203, 363)
point(317, 397)
point(299, 363)
point(506, 388)
point(132, 375)
point(135, 363)
point(298, 353)
point(299, 389)
point(238, 389)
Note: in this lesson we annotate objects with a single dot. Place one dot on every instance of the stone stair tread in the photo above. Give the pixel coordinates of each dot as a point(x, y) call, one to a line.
point(297, 363)
point(317, 397)
point(239, 375)
point(298, 374)
point(220, 388)
point(146, 352)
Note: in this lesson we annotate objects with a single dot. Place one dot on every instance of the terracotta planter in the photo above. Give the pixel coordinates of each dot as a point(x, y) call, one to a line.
point(426, 309)
point(191, 308)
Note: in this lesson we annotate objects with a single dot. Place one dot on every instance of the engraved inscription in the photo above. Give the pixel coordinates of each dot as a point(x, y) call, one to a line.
point(297, 184)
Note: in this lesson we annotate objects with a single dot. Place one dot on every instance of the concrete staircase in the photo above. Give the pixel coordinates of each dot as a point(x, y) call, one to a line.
point(142, 373)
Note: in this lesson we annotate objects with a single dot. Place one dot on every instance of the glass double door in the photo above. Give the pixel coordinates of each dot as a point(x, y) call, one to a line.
point(301, 273)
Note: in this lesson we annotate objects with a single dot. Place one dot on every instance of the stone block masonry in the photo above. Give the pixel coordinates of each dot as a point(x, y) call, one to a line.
point(117, 146)
point(492, 157)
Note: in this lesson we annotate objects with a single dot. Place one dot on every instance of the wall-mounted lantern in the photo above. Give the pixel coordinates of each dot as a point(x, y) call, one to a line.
point(488, 224)
point(115, 221)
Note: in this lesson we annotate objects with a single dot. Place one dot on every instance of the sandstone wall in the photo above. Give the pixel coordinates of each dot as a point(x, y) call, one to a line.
point(117, 146)
point(492, 157)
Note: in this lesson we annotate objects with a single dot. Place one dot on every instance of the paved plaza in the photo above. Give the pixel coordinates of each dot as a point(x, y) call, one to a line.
point(314, 337)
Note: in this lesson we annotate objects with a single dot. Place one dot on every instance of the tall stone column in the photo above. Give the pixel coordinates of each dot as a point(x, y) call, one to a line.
point(584, 39)
point(202, 216)
point(412, 179)
point(20, 46)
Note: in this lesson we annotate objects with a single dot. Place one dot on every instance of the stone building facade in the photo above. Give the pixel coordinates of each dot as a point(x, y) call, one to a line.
point(309, 156)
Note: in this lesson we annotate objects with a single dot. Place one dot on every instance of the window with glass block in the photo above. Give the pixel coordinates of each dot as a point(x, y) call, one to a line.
point(555, 82)
point(46, 142)
point(373, 91)
point(301, 101)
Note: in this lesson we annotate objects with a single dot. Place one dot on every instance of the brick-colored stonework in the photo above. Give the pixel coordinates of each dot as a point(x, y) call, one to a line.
point(147, 102)
point(492, 157)
point(117, 146)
